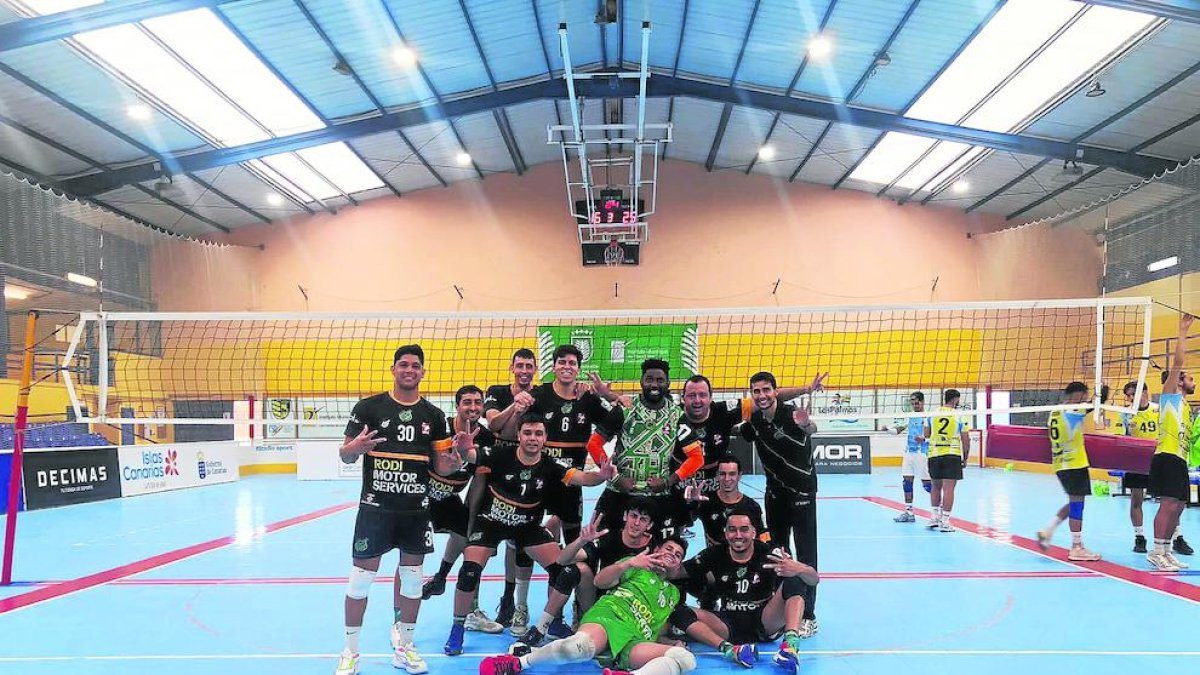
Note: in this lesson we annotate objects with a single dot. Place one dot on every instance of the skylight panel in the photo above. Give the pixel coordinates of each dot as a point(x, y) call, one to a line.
point(338, 163)
point(302, 175)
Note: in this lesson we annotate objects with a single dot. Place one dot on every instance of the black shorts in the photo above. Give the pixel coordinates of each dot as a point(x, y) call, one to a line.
point(377, 532)
point(489, 534)
point(1169, 477)
point(1075, 482)
point(946, 467)
point(746, 627)
point(1135, 481)
point(449, 515)
point(564, 501)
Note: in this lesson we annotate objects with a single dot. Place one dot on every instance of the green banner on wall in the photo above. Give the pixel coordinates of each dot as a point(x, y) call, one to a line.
point(617, 352)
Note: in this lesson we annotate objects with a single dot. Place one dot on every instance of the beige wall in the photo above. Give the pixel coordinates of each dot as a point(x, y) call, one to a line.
point(718, 239)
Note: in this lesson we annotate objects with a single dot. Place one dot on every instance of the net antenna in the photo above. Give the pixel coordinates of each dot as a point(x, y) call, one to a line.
point(624, 153)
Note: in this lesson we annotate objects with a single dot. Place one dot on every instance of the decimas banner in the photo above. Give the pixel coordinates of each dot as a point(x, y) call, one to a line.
point(617, 352)
point(146, 469)
point(62, 477)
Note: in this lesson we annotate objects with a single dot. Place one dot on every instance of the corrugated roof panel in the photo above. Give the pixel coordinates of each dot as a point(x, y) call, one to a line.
point(439, 34)
point(528, 122)
point(936, 30)
point(509, 36)
point(581, 32)
point(280, 32)
point(1184, 143)
point(437, 144)
point(743, 137)
point(713, 38)
point(666, 18)
point(858, 30)
point(777, 41)
point(1172, 107)
point(248, 189)
point(993, 171)
point(61, 70)
point(199, 200)
point(50, 118)
point(157, 212)
point(36, 155)
point(392, 159)
point(792, 139)
point(1166, 54)
point(841, 148)
point(481, 135)
point(695, 123)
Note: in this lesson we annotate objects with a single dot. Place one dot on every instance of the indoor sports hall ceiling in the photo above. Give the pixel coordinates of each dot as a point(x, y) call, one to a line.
point(199, 116)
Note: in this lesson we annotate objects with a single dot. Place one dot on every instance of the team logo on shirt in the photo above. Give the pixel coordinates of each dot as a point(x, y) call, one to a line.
point(385, 424)
point(425, 428)
point(566, 409)
point(405, 415)
point(525, 475)
point(741, 572)
point(361, 545)
point(581, 418)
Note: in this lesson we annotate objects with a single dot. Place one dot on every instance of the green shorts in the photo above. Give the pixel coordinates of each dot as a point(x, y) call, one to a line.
point(620, 626)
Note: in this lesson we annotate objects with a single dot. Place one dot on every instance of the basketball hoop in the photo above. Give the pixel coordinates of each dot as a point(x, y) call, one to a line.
point(614, 253)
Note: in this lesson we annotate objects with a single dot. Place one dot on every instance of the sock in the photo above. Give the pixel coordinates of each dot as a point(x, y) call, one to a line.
point(725, 647)
point(908, 508)
point(937, 514)
point(460, 620)
point(352, 638)
point(663, 665)
point(575, 649)
point(1161, 545)
point(475, 604)
point(1138, 532)
point(1076, 540)
point(406, 633)
point(444, 570)
point(1054, 525)
point(523, 592)
point(543, 623)
point(1178, 534)
point(945, 516)
point(509, 588)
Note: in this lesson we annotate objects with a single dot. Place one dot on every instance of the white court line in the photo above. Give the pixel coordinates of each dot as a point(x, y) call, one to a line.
point(807, 652)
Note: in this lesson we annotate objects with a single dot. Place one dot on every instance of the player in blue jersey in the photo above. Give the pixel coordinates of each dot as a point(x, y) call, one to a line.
point(916, 455)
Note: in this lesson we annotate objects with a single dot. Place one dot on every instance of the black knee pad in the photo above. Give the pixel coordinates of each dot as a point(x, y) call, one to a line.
point(566, 580)
point(522, 559)
point(794, 586)
point(682, 617)
point(468, 576)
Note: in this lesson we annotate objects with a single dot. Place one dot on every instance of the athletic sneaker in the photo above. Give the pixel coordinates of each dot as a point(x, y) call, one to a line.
point(808, 628)
point(558, 629)
point(1081, 554)
point(1043, 539)
point(1176, 561)
point(932, 525)
point(1181, 547)
point(347, 663)
point(478, 621)
point(743, 655)
point(520, 621)
point(408, 658)
point(504, 613)
point(532, 637)
point(614, 671)
point(906, 517)
point(1161, 562)
point(788, 656)
point(1139, 543)
point(434, 586)
point(454, 643)
point(945, 526)
point(504, 664)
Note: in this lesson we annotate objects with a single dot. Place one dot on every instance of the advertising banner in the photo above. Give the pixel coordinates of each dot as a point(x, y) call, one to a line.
point(842, 454)
point(62, 477)
point(148, 469)
point(617, 352)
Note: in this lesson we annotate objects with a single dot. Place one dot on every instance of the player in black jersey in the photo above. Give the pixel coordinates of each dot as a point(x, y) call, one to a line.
point(402, 439)
point(512, 510)
point(713, 510)
point(761, 591)
point(595, 548)
point(502, 403)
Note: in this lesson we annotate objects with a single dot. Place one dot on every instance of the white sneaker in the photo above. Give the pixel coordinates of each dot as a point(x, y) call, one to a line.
point(906, 517)
point(1176, 561)
point(1079, 553)
point(408, 658)
point(808, 628)
point(945, 526)
point(520, 622)
point(347, 663)
point(1161, 562)
point(932, 525)
point(479, 621)
point(1043, 540)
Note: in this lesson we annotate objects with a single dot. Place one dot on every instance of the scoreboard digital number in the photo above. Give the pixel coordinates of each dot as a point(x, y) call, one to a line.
point(609, 212)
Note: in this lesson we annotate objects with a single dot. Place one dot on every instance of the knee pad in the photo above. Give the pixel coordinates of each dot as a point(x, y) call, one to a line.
point(1075, 510)
point(908, 484)
point(523, 559)
point(360, 582)
point(578, 648)
point(682, 617)
point(928, 486)
point(794, 586)
point(567, 579)
point(683, 658)
point(410, 581)
point(468, 576)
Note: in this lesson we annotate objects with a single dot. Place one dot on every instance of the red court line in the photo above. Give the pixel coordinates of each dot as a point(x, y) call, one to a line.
point(1143, 578)
point(108, 576)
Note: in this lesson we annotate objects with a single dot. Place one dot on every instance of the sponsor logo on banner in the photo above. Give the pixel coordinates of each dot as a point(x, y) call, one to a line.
point(350, 470)
point(58, 478)
point(842, 454)
point(146, 470)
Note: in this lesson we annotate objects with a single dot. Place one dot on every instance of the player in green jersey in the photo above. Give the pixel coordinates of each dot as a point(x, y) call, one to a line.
point(623, 626)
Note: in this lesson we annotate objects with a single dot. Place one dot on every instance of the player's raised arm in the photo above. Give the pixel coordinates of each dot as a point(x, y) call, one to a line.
point(1171, 386)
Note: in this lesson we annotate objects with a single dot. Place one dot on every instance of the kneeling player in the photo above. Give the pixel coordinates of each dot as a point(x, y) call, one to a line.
point(623, 625)
point(511, 510)
point(761, 591)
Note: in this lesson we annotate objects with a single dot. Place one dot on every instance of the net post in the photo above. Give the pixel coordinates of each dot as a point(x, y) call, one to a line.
point(1097, 413)
point(1147, 327)
point(250, 414)
point(987, 424)
point(102, 375)
point(21, 423)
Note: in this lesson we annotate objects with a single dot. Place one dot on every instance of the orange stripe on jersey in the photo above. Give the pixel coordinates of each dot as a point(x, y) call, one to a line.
point(565, 444)
point(567, 476)
point(398, 455)
point(444, 444)
point(513, 503)
point(747, 408)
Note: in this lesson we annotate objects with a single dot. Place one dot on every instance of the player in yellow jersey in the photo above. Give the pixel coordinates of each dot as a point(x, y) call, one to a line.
point(1168, 469)
point(1070, 460)
point(949, 448)
point(1142, 424)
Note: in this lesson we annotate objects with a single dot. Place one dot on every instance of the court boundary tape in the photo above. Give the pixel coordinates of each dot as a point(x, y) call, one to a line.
point(1140, 578)
point(64, 588)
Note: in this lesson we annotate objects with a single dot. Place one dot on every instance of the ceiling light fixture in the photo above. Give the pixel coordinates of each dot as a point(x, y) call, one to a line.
point(1096, 91)
point(139, 111)
point(820, 46)
point(766, 153)
point(81, 279)
point(404, 56)
point(275, 199)
point(1164, 264)
point(960, 187)
point(463, 159)
point(16, 292)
